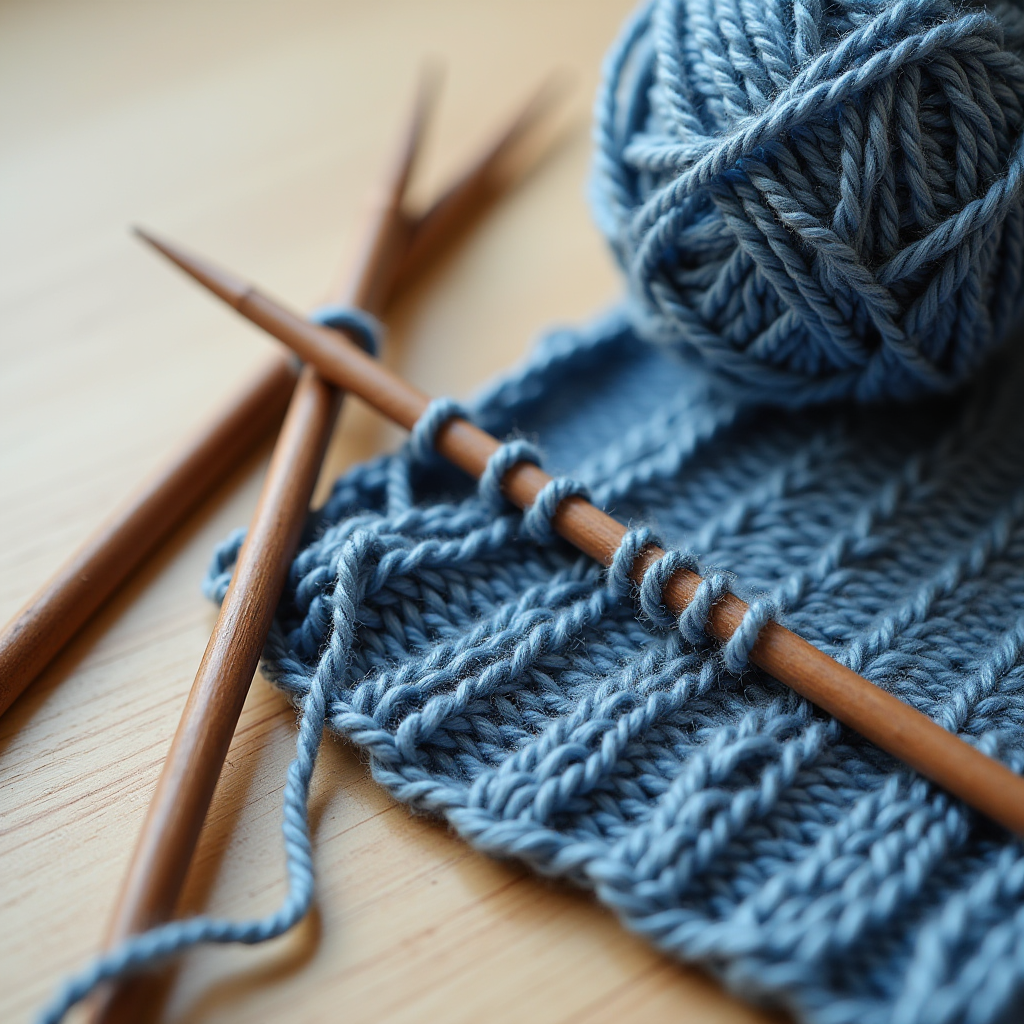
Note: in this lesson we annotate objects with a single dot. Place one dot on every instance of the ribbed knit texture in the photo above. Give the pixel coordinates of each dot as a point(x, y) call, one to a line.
point(496, 681)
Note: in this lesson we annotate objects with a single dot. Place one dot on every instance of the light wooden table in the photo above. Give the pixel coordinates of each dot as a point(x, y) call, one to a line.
point(255, 131)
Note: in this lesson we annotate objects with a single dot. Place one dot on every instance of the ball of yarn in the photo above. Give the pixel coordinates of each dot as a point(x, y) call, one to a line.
point(821, 200)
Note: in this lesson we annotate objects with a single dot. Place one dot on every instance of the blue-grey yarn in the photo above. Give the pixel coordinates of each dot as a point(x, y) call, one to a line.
point(818, 199)
point(364, 328)
point(553, 713)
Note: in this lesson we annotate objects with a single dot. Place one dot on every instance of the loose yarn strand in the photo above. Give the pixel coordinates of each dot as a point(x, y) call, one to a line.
point(166, 941)
point(159, 944)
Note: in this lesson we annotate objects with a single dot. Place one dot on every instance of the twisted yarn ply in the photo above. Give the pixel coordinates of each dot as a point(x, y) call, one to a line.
point(819, 199)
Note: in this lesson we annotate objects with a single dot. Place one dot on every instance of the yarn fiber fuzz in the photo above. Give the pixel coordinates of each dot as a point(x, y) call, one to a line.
point(818, 199)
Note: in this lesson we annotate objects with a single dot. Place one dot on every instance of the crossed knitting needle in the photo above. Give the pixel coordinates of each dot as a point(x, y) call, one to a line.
point(71, 598)
point(980, 781)
point(400, 247)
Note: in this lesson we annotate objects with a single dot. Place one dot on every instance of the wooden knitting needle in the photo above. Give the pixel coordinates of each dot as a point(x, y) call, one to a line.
point(896, 727)
point(67, 601)
point(506, 161)
point(194, 762)
point(186, 785)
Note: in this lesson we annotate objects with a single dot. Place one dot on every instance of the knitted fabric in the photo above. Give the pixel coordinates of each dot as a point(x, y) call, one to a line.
point(821, 199)
point(517, 691)
point(510, 686)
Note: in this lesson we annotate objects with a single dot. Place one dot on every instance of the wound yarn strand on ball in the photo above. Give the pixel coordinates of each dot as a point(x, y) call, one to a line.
point(818, 201)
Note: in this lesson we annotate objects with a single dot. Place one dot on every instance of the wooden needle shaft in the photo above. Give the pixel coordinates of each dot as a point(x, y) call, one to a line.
point(193, 765)
point(504, 161)
point(980, 781)
point(55, 613)
point(200, 745)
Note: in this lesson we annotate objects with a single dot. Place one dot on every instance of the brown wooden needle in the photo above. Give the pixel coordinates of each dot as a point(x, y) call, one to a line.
point(896, 727)
point(55, 613)
point(506, 161)
point(67, 601)
point(194, 762)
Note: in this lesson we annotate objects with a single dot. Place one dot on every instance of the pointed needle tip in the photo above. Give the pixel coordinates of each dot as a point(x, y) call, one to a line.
point(431, 80)
point(161, 246)
point(222, 283)
point(141, 233)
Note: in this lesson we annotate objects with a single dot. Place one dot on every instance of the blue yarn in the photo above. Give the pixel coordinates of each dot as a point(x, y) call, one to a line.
point(549, 713)
point(818, 199)
point(537, 518)
point(424, 433)
point(368, 330)
point(508, 455)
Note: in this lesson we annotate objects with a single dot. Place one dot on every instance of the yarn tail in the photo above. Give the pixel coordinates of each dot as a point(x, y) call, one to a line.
point(166, 941)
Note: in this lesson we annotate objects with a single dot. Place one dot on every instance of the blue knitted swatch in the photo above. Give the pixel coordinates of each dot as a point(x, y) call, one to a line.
point(502, 681)
point(499, 682)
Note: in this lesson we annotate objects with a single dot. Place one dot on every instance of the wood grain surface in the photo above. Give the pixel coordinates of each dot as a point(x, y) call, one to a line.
point(256, 130)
